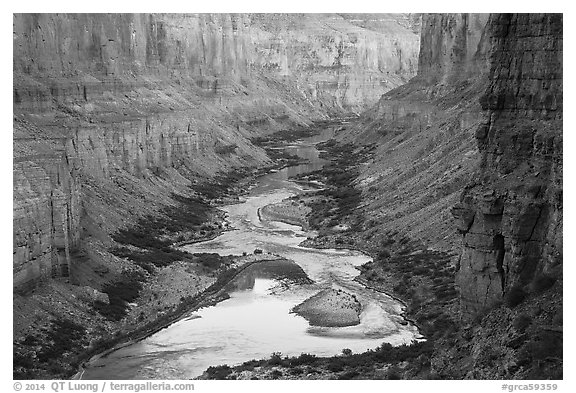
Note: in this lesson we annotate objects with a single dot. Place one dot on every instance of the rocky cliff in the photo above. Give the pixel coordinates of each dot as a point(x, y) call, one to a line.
point(423, 133)
point(486, 104)
point(510, 214)
point(466, 175)
point(114, 112)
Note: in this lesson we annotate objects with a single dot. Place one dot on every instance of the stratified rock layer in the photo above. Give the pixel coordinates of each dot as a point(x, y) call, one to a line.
point(424, 131)
point(511, 214)
point(115, 112)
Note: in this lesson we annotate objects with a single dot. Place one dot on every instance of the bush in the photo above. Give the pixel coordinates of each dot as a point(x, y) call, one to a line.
point(120, 293)
point(349, 375)
point(275, 359)
point(521, 322)
point(64, 336)
point(304, 358)
point(218, 372)
point(514, 297)
point(543, 282)
point(335, 365)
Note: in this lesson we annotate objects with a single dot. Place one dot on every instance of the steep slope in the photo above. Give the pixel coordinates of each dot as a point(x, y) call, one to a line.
point(476, 135)
point(423, 134)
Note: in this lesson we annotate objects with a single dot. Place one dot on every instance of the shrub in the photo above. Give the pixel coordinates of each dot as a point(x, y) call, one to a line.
point(514, 297)
point(218, 372)
point(63, 336)
point(521, 322)
point(393, 373)
point(304, 358)
point(296, 371)
point(275, 359)
point(120, 293)
point(349, 375)
point(543, 282)
point(335, 365)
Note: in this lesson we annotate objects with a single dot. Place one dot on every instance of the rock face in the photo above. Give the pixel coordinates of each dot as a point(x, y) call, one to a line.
point(344, 62)
point(115, 112)
point(451, 48)
point(424, 134)
point(510, 215)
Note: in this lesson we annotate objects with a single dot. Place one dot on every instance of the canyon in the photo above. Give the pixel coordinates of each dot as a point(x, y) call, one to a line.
point(124, 123)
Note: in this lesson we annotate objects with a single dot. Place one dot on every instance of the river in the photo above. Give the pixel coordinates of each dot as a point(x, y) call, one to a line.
point(256, 320)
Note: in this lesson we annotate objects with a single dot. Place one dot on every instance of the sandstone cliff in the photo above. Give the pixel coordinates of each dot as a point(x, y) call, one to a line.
point(510, 214)
point(486, 104)
point(423, 133)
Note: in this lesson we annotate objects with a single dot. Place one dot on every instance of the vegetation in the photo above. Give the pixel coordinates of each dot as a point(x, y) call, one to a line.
point(45, 354)
point(350, 366)
point(340, 197)
point(120, 293)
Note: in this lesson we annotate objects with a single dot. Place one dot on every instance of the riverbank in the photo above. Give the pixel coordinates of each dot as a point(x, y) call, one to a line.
point(172, 286)
point(420, 279)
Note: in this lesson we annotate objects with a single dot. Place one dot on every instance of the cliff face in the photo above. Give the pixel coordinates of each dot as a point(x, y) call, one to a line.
point(424, 133)
point(115, 112)
point(449, 49)
point(510, 215)
point(344, 62)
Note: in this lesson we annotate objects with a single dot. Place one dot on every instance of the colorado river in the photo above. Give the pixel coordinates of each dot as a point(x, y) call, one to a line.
point(256, 320)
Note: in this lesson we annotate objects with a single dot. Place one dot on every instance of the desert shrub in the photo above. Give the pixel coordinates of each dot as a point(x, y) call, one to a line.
point(547, 344)
point(275, 359)
point(514, 297)
point(249, 365)
point(218, 372)
point(296, 371)
point(120, 293)
point(393, 373)
point(543, 282)
point(349, 375)
point(304, 358)
point(63, 336)
point(521, 322)
point(335, 364)
point(210, 260)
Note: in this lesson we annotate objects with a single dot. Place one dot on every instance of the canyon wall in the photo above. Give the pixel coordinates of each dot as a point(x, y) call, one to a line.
point(486, 105)
point(423, 133)
point(113, 113)
point(510, 214)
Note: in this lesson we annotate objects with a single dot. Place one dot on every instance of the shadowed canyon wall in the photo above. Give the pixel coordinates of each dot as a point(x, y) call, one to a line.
point(423, 133)
point(114, 112)
point(510, 214)
point(485, 105)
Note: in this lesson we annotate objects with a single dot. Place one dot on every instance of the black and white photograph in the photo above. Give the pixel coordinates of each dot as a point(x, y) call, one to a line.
point(286, 196)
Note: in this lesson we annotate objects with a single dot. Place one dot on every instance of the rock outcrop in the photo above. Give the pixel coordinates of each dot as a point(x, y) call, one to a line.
point(510, 214)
